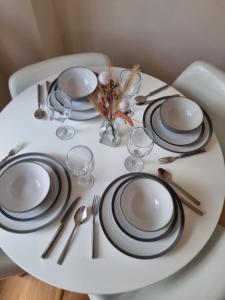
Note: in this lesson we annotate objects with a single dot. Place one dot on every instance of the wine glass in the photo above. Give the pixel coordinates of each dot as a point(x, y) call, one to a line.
point(80, 162)
point(139, 144)
point(132, 90)
point(59, 106)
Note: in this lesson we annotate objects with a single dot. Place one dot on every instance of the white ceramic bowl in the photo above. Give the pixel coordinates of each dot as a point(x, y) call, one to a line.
point(147, 204)
point(24, 186)
point(181, 114)
point(77, 82)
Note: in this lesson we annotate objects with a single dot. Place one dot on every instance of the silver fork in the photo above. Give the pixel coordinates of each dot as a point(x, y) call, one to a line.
point(169, 159)
point(94, 212)
point(13, 152)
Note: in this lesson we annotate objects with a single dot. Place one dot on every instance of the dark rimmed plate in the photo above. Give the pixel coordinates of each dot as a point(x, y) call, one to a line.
point(172, 137)
point(55, 211)
point(128, 245)
point(130, 230)
point(82, 109)
point(52, 197)
point(200, 143)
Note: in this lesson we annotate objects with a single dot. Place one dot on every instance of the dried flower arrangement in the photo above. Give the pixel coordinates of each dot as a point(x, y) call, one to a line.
point(108, 96)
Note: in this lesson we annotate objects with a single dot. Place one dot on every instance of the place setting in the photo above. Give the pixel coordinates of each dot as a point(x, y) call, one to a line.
point(179, 124)
point(141, 215)
point(35, 189)
point(77, 83)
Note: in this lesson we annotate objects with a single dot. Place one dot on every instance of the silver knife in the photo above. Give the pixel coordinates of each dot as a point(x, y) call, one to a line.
point(61, 226)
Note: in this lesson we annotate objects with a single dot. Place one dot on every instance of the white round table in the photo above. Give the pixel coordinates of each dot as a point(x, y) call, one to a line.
point(112, 272)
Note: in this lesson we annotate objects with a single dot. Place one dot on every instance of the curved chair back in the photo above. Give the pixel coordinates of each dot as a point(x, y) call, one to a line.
point(31, 74)
point(205, 84)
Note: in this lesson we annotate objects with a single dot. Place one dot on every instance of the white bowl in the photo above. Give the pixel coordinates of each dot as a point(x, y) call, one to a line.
point(24, 186)
point(147, 204)
point(77, 82)
point(181, 114)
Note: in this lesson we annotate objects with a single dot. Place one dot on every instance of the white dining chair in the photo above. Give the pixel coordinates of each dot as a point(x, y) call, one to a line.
point(31, 74)
point(205, 84)
point(201, 279)
point(8, 267)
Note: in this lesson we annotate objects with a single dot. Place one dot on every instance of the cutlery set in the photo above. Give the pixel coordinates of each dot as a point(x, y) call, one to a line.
point(167, 177)
point(80, 217)
point(63, 222)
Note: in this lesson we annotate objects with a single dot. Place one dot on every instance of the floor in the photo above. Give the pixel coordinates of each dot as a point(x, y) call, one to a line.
point(29, 288)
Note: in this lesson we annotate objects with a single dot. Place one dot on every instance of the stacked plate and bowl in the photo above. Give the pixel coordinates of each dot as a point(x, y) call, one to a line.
point(141, 215)
point(78, 83)
point(35, 190)
point(179, 124)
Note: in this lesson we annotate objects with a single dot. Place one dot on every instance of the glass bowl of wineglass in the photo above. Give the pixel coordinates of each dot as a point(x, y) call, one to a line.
point(131, 91)
point(59, 106)
point(140, 143)
point(80, 162)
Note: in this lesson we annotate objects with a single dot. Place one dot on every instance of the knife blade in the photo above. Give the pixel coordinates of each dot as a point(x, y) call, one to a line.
point(60, 228)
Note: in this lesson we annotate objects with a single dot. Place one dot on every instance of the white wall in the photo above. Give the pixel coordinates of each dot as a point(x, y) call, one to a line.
point(164, 36)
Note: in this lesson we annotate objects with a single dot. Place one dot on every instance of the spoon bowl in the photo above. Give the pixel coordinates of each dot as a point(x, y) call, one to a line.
point(164, 175)
point(39, 113)
point(142, 98)
point(80, 215)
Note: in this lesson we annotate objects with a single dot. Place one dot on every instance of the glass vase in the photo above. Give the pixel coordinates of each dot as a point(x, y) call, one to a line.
point(109, 133)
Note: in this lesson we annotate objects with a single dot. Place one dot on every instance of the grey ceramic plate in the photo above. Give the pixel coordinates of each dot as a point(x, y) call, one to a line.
point(171, 137)
point(130, 230)
point(52, 197)
point(125, 243)
point(200, 143)
point(55, 211)
point(81, 110)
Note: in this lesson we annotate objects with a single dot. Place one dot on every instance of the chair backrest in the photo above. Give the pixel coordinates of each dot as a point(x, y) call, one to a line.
point(205, 84)
point(31, 74)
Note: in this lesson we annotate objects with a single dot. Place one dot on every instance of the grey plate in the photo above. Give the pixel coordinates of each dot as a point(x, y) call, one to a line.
point(125, 243)
point(200, 143)
point(52, 197)
point(81, 111)
point(84, 115)
point(171, 137)
point(55, 211)
point(127, 228)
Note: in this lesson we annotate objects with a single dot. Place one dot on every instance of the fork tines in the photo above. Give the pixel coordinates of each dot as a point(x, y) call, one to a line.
point(95, 205)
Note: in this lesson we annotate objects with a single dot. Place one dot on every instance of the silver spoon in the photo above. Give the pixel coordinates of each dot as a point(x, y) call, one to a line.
point(144, 98)
point(184, 201)
point(167, 176)
point(79, 218)
point(39, 113)
point(157, 99)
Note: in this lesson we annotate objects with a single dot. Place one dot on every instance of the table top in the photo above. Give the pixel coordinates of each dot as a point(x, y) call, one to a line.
point(112, 272)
